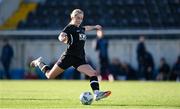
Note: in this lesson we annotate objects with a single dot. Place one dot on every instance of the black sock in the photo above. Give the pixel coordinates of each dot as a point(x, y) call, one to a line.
point(43, 67)
point(94, 83)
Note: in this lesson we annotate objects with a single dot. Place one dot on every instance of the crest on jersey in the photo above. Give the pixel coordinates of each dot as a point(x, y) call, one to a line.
point(82, 37)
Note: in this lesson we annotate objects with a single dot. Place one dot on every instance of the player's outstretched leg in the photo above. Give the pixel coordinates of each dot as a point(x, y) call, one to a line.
point(35, 62)
point(38, 63)
point(49, 73)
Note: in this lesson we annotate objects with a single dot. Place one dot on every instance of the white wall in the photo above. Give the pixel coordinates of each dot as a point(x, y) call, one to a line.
point(125, 50)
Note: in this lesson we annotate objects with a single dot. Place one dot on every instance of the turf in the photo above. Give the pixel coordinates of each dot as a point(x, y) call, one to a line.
point(65, 94)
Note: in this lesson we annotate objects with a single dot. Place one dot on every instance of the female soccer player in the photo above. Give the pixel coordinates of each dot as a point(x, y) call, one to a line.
point(74, 35)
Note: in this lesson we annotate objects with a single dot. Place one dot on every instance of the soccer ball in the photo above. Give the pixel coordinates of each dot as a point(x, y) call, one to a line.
point(86, 98)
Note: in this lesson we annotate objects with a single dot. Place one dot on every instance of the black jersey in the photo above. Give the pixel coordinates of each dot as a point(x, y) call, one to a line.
point(76, 41)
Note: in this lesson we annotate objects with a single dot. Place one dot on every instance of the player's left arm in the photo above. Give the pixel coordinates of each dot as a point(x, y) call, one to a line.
point(90, 28)
point(63, 37)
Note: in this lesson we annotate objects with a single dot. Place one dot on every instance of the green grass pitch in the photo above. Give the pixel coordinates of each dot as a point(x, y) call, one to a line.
point(56, 94)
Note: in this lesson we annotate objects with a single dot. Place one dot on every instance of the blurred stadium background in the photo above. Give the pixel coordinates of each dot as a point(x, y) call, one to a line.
point(32, 27)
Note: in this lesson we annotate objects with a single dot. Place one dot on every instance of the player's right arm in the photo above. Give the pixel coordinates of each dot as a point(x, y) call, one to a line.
point(90, 28)
point(63, 37)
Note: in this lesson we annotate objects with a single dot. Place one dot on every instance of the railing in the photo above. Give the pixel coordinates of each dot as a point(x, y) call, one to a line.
point(115, 32)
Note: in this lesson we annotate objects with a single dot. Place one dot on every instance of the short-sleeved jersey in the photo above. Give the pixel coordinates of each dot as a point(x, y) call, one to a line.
point(76, 41)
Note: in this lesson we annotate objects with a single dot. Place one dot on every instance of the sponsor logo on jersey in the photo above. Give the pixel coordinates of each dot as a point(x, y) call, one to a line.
point(82, 37)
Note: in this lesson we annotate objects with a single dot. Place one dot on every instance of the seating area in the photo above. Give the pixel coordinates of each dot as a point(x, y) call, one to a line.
point(120, 14)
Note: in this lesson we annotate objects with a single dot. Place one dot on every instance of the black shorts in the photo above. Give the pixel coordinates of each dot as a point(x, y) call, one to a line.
point(67, 61)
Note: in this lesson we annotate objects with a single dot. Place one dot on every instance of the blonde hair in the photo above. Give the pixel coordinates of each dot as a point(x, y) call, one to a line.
point(76, 12)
